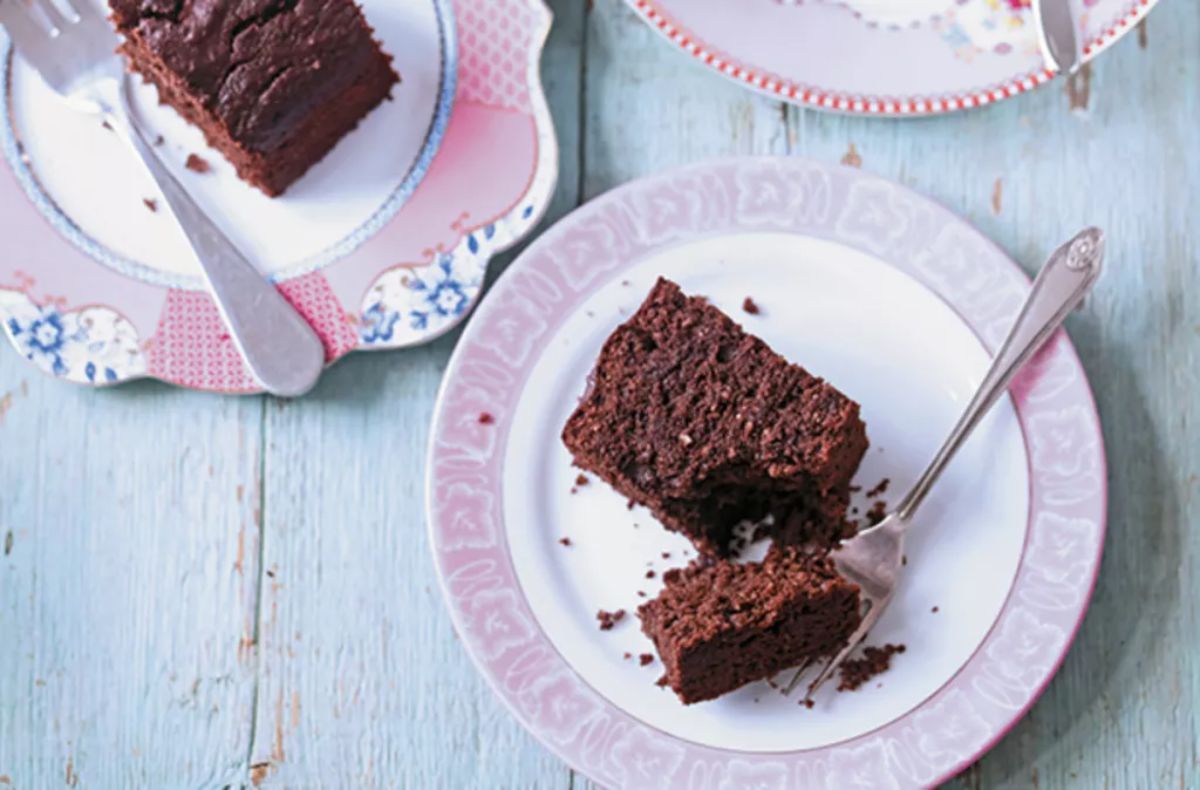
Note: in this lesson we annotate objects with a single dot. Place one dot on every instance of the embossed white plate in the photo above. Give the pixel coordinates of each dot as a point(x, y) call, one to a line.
point(895, 301)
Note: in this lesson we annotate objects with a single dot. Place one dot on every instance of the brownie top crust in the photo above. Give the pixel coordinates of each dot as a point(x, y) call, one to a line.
point(682, 400)
point(260, 66)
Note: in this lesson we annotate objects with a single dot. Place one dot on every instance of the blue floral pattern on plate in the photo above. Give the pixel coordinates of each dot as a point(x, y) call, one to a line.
point(92, 345)
point(412, 304)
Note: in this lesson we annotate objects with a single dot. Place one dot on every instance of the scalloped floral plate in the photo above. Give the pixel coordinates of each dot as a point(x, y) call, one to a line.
point(382, 245)
point(880, 57)
point(897, 302)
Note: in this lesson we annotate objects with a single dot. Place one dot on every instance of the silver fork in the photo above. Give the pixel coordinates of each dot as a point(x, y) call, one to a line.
point(74, 48)
point(873, 558)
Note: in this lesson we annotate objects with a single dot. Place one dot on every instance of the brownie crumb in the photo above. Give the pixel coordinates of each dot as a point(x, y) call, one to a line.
point(625, 283)
point(880, 489)
point(630, 505)
point(197, 164)
point(666, 555)
point(875, 661)
point(486, 419)
point(565, 541)
point(645, 659)
point(581, 480)
point(158, 141)
point(107, 125)
point(750, 307)
point(934, 610)
point(150, 204)
point(609, 619)
point(628, 656)
point(877, 513)
point(641, 594)
point(662, 682)
point(808, 703)
point(650, 574)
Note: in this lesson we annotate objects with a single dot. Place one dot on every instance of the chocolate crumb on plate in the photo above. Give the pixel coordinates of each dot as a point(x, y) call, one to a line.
point(750, 307)
point(666, 555)
point(880, 489)
point(486, 419)
point(581, 480)
point(197, 164)
point(150, 204)
point(609, 619)
point(874, 661)
point(934, 610)
point(877, 513)
point(650, 574)
point(565, 541)
point(645, 658)
point(628, 656)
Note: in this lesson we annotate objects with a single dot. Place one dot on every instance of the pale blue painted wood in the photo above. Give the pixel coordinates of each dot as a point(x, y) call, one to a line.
point(134, 652)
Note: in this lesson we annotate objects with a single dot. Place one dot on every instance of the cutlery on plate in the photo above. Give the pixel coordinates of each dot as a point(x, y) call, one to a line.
point(873, 558)
point(1057, 34)
point(74, 49)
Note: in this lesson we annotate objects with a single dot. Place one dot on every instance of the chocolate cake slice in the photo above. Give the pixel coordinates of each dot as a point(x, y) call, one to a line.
point(273, 84)
point(719, 626)
point(704, 424)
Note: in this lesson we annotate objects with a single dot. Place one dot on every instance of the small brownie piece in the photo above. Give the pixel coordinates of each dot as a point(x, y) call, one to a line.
point(273, 84)
point(704, 424)
point(719, 626)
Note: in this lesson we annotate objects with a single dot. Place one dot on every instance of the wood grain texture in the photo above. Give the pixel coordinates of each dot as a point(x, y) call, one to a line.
point(127, 588)
point(202, 591)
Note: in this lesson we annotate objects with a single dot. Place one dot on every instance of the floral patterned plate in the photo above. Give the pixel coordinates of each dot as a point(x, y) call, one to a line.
point(897, 302)
point(382, 245)
point(880, 57)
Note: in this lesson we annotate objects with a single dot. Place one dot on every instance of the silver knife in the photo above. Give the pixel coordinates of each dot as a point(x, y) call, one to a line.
point(1057, 34)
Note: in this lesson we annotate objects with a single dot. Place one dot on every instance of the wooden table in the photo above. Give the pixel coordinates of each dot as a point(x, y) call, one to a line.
point(200, 591)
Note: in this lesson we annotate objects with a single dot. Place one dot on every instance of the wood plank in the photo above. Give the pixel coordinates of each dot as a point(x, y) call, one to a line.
point(127, 583)
point(363, 682)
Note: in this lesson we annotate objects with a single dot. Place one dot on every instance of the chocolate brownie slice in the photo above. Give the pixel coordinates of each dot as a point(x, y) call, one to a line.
point(721, 625)
point(704, 424)
point(273, 84)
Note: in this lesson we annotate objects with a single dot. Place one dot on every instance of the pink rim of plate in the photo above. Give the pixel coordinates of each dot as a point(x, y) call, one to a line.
point(412, 280)
point(490, 368)
point(797, 92)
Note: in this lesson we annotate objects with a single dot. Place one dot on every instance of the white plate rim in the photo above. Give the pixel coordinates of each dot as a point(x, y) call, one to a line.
point(915, 105)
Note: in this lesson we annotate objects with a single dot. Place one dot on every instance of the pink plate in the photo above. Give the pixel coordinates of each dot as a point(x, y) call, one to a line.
point(384, 244)
point(897, 302)
point(879, 57)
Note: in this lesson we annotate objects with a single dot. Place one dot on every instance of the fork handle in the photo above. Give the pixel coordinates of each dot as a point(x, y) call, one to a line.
point(280, 348)
point(1059, 288)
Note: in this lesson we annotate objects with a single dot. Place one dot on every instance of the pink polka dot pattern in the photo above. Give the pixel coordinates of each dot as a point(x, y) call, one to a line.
point(183, 351)
point(496, 40)
point(312, 296)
